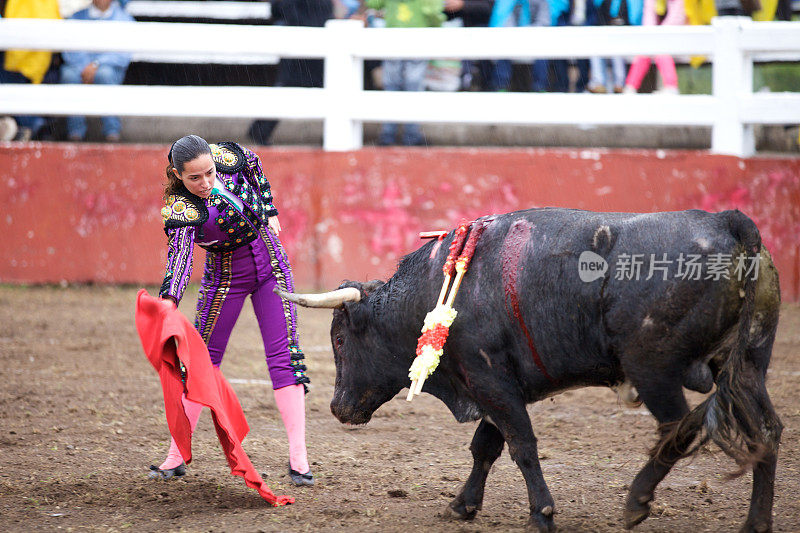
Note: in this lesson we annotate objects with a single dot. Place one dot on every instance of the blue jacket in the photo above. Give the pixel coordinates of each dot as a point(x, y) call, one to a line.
point(114, 59)
point(635, 10)
point(558, 8)
point(530, 13)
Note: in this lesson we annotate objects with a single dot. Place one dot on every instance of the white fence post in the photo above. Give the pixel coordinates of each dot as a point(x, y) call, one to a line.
point(732, 79)
point(344, 81)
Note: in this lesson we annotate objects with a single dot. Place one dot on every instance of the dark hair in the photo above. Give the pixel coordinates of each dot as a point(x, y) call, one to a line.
point(181, 152)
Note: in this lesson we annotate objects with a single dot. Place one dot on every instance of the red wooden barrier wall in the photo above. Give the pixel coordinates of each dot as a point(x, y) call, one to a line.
point(91, 212)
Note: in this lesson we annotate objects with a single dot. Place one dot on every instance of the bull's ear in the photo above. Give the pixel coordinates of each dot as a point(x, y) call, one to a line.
point(603, 239)
point(357, 316)
point(370, 286)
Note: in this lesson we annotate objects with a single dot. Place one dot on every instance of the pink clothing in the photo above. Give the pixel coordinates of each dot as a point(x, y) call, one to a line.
point(174, 457)
point(675, 16)
point(640, 66)
point(291, 403)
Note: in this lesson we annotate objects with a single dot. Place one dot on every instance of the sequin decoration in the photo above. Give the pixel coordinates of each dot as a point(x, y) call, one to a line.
point(181, 210)
point(228, 157)
point(213, 291)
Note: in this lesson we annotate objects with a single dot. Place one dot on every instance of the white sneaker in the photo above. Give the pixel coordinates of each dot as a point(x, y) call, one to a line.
point(8, 128)
point(667, 90)
point(629, 89)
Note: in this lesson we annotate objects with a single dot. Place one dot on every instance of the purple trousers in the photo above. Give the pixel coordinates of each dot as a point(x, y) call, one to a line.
point(252, 270)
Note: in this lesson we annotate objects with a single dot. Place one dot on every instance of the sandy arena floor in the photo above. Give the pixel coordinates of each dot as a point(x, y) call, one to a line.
point(83, 418)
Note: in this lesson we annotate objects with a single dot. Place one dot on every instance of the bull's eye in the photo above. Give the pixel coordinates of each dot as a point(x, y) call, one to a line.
point(338, 341)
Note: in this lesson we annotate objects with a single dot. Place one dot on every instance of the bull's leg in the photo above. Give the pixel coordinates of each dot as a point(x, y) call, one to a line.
point(759, 518)
point(487, 445)
point(514, 424)
point(668, 404)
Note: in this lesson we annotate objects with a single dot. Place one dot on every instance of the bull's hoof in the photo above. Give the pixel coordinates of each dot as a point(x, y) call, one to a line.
point(636, 513)
point(756, 527)
point(459, 510)
point(541, 522)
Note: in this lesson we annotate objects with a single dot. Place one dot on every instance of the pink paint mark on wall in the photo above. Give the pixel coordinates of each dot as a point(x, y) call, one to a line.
point(105, 209)
point(764, 199)
point(391, 227)
point(294, 224)
point(486, 201)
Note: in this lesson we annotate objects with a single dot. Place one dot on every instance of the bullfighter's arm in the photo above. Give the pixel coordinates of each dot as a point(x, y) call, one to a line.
point(179, 262)
point(254, 163)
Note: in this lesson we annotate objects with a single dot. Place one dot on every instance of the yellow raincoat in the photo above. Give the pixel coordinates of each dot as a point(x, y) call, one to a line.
point(702, 11)
point(32, 64)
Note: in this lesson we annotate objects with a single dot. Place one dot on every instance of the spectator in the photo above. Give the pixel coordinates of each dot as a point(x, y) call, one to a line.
point(70, 7)
point(104, 68)
point(510, 13)
point(473, 14)
point(607, 13)
point(294, 72)
point(28, 66)
point(569, 13)
point(406, 74)
point(783, 11)
point(8, 126)
point(347, 9)
point(675, 14)
point(737, 8)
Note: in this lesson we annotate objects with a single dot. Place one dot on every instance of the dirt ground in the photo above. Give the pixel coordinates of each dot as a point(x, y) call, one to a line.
point(83, 418)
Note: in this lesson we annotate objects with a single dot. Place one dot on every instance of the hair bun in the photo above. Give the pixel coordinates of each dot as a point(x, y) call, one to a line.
point(169, 154)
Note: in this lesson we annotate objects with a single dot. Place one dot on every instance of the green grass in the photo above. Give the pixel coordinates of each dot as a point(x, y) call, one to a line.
point(778, 77)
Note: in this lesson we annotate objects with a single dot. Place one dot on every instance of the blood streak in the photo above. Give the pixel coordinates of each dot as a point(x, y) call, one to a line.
point(514, 244)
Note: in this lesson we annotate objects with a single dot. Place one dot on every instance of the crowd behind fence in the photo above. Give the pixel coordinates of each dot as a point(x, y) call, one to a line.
point(732, 44)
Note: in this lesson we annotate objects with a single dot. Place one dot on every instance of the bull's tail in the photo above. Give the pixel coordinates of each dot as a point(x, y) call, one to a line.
point(738, 416)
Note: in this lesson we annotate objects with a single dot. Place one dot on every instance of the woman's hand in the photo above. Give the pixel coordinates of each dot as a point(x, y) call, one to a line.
point(274, 225)
point(89, 71)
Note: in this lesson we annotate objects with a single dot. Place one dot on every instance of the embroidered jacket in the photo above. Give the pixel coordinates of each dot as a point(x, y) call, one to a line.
point(215, 223)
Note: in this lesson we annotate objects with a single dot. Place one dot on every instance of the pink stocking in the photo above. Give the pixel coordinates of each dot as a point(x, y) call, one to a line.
point(638, 71)
point(292, 405)
point(192, 410)
point(666, 66)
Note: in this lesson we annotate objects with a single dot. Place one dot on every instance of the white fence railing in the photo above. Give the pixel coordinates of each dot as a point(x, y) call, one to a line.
point(207, 9)
point(731, 43)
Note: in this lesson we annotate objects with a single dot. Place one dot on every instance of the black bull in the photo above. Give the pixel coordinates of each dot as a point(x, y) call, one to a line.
point(529, 327)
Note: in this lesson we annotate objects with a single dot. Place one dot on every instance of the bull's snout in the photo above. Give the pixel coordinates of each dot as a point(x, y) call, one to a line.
point(349, 414)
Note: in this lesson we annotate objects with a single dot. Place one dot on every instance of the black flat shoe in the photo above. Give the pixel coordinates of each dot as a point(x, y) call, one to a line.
point(157, 473)
point(299, 479)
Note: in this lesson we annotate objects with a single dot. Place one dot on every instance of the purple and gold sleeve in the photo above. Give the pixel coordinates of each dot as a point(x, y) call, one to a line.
point(254, 162)
point(179, 262)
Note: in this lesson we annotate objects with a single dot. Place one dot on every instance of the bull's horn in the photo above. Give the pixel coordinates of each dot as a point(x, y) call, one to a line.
point(329, 300)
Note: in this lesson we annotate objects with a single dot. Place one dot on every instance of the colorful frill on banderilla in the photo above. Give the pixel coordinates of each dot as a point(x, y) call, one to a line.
point(436, 328)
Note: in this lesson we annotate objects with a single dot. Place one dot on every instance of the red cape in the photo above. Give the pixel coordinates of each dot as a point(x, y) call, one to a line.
point(161, 327)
